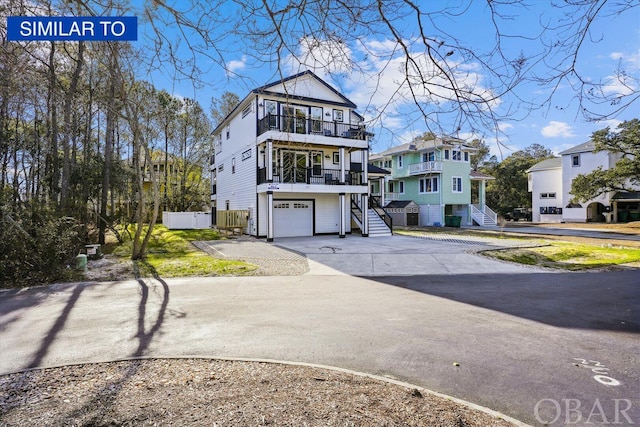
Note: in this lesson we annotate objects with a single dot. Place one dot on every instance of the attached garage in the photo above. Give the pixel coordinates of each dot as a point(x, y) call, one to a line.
point(292, 218)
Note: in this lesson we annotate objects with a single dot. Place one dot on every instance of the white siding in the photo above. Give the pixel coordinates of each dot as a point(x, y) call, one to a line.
point(431, 214)
point(238, 188)
point(308, 87)
point(546, 181)
point(588, 162)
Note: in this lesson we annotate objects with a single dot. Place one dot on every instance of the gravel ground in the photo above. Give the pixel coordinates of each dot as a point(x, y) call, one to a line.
point(199, 392)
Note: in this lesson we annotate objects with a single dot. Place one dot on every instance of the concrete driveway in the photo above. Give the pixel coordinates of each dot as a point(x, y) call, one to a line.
point(400, 255)
point(543, 347)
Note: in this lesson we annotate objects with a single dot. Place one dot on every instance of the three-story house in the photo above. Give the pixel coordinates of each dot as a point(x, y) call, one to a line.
point(294, 155)
point(435, 174)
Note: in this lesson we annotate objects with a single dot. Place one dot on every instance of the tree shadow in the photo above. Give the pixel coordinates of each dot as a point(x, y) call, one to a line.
point(587, 300)
point(105, 397)
point(56, 328)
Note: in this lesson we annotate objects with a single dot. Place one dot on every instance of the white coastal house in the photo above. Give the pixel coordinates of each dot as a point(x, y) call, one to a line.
point(550, 187)
point(292, 158)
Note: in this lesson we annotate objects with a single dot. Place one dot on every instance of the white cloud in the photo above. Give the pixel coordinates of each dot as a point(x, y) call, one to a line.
point(619, 85)
point(323, 57)
point(375, 76)
point(237, 64)
point(557, 130)
point(616, 55)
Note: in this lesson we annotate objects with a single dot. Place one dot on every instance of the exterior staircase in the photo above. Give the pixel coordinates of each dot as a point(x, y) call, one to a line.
point(483, 215)
point(377, 227)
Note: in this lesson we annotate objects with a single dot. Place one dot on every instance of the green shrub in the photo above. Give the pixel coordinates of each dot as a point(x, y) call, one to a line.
point(37, 247)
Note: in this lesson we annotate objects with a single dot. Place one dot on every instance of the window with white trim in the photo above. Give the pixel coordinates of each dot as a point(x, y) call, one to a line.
point(446, 154)
point(466, 156)
point(401, 187)
point(428, 185)
point(547, 195)
point(456, 155)
point(233, 165)
point(228, 131)
point(456, 184)
point(429, 156)
point(575, 160)
point(400, 161)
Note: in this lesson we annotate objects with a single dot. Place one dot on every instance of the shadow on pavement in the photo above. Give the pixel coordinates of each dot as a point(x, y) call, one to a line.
point(598, 301)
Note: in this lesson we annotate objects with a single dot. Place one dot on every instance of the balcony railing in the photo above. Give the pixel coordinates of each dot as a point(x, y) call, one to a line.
point(425, 167)
point(305, 125)
point(313, 175)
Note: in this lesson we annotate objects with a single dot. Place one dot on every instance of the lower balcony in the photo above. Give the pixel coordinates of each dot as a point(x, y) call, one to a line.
point(310, 176)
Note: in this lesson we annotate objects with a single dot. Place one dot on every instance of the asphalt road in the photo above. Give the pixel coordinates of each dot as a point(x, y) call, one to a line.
point(561, 348)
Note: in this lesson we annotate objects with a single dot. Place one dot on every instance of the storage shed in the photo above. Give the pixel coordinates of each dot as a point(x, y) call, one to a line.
point(403, 212)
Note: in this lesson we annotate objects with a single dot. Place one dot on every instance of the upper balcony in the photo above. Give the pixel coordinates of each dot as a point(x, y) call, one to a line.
point(322, 131)
point(425, 167)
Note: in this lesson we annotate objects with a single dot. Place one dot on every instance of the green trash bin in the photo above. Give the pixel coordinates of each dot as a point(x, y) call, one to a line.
point(623, 216)
point(455, 221)
point(447, 220)
point(634, 216)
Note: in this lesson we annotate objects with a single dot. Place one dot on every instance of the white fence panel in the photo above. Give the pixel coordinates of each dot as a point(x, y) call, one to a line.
point(186, 220)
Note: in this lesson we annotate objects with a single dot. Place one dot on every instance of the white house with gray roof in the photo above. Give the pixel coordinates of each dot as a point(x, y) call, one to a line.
point(550, 187)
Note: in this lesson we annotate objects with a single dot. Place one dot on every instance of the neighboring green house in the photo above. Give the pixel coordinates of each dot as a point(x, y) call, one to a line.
point(436, 174)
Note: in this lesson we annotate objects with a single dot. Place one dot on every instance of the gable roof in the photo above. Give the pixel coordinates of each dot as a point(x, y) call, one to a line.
point(585, 147)
point(553, 163)
point(265, 89)
point(371, 168)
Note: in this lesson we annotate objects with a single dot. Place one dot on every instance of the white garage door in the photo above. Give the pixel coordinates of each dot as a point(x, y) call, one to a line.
point(292, 218)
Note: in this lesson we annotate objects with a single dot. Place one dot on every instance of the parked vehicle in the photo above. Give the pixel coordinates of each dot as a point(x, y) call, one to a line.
point(518, 214)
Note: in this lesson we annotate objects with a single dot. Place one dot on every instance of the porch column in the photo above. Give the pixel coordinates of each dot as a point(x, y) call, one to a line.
point(269, 160)
point(364, 205)
point(342, 166)
point(382, 182)
point(343, 216)
point(269, 216)
point(481, 196)
point(365, 167)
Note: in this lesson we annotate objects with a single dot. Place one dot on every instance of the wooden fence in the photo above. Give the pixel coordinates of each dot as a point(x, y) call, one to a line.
point(232, 220)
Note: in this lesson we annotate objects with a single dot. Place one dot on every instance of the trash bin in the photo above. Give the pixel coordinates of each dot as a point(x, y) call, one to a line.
point(623, 216)
point(455, 221)
point(447, 220)
point(81, 262)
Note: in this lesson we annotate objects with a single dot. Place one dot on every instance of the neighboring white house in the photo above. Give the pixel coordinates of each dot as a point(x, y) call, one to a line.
point(545, 186)
point(294, 155)
point(553, 177)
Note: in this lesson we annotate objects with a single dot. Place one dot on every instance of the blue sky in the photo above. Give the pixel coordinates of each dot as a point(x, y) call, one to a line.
point(614, 41)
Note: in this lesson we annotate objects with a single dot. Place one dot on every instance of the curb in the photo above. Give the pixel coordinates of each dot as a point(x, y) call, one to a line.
point(471, 405)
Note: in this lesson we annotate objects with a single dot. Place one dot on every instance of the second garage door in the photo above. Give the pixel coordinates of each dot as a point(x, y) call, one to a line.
point(292, 218)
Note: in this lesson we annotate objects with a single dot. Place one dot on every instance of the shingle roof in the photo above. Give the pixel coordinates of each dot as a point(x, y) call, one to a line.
point(398, 204)
point(553, 163)
point(421, 145)
point(585, 147)
point(480, 175)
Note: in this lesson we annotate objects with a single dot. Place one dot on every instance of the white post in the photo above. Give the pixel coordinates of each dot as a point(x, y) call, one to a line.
point(382, 195)
point(365, 215)
point(269, 216)
point(342, 166)
point(343, 219)
point(269, 160)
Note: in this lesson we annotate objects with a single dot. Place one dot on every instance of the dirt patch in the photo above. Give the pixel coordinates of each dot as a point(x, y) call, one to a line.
point(199, 392)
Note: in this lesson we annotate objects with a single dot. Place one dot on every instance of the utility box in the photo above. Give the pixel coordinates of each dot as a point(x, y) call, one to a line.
point(93, 252)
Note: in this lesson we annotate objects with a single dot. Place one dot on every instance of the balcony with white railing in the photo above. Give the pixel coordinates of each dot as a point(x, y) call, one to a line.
point(391, 196)
point(425, 167)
